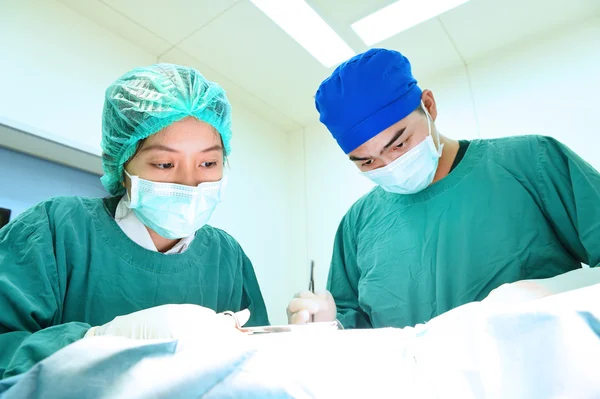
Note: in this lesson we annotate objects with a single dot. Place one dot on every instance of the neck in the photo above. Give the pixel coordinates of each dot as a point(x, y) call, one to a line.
point(161, 243)
point(447, 159)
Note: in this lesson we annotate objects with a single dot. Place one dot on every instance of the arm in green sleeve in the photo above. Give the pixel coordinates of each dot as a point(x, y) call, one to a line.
point(343, 279)
point(569, 189)
point(569, 281)
point(30, 298)
point(251, 296)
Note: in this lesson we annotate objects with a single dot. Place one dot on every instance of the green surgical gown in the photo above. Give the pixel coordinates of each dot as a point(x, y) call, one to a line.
point(65, 265)
point(513, 209)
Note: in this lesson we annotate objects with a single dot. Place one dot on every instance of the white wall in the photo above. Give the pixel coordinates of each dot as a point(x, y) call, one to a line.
point(333, 183)
point(548, 85)
point(259, 208)
point(54, 68)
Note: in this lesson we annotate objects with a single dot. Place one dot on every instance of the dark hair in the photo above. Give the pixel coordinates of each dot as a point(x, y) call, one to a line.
point(140, 144)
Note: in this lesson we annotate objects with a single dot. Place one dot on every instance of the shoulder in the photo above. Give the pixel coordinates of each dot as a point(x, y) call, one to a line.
point(361, 208)
point(521, 155)
point(520, 145)
point(220, 237)
point(54, 210)
point(47, 221)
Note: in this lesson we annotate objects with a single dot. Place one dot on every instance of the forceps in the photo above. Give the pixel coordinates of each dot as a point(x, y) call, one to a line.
point(324, 326)
point(311, 284)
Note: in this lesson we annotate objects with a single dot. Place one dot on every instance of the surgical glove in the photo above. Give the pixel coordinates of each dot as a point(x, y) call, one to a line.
point(575, 279)
point(517, 292)
point(305, 304)
point(172, 321)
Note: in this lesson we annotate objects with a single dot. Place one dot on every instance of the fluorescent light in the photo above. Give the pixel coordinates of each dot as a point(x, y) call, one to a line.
point(306, 27)
point(400, 16)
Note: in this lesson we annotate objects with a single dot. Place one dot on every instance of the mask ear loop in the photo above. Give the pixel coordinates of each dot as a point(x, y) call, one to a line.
point(133, 197)
point(439, 145)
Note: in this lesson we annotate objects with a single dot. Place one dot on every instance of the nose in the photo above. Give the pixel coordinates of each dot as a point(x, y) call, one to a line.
point(387, 159)
point(188, 176)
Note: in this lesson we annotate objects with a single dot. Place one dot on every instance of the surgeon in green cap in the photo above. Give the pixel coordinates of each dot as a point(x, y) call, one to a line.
point(450, 222)
point(143, 263)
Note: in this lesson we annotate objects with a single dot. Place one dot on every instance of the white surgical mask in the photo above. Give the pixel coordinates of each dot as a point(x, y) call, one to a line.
point(174, 210)
point(413, 171)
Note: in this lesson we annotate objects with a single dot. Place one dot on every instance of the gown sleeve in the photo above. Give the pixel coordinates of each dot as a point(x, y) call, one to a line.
point(344, 276)
point(30, 297)
point(251, 296)
point(569, 189)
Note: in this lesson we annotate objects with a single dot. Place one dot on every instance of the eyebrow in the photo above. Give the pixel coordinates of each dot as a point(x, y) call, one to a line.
point(388, 145)
point(216, 147)
point(159, 147)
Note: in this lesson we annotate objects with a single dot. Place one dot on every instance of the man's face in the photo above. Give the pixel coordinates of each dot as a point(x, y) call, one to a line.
point(391, 143)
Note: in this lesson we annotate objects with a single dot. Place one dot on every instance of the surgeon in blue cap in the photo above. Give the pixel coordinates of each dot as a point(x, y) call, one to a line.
point(449, 222)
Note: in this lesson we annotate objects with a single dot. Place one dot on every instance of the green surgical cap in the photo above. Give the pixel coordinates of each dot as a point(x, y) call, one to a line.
point(147, 100)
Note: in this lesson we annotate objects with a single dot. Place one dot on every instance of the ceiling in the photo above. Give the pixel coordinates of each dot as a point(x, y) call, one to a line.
point(235, 44)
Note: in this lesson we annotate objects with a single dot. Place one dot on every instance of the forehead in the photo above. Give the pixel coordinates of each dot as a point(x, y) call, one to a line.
point(378, 142)
point(186, 130)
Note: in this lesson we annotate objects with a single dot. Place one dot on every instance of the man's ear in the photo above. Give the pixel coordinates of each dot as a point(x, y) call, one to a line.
point(429, 101)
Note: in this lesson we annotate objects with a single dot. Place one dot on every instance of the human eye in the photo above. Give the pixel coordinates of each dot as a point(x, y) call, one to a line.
point(209, 165)
point(164, 166)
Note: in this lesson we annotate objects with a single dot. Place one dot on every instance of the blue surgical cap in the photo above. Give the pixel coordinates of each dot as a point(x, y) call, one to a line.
point(365, 95)
point(146, 100)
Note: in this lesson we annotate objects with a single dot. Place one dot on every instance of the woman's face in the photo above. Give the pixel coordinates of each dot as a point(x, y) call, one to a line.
point(188, 152)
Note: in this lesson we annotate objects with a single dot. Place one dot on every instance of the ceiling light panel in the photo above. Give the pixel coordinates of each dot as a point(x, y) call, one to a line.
point(400, 16)
point(305, 26)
